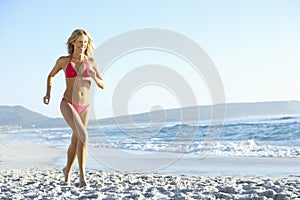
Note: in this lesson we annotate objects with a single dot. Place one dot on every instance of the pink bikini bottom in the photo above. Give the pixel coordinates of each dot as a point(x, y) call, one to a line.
point(78, 108)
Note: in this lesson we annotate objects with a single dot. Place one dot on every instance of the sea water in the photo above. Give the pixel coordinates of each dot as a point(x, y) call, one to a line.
point(261, 137)
point(268, 137)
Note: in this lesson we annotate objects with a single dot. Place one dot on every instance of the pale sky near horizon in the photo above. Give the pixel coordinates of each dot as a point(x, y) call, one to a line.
point(254, 44)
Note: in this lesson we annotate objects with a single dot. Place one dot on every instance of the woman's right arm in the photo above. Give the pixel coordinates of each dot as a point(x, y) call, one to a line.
point(57, 67)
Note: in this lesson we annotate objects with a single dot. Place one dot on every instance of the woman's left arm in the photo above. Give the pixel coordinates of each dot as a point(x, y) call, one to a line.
point(95, 73)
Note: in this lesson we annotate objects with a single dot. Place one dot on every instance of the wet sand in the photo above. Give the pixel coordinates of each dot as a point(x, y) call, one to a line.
point(28, 171)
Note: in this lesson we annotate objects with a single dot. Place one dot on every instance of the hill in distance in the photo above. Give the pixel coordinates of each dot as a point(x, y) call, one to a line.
point(232, 111)
point(24, 118)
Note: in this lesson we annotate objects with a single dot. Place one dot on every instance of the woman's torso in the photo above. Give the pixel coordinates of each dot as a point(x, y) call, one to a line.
point(78, 82)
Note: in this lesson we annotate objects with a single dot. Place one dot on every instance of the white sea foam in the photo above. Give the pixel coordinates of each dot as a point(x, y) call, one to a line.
point(269, 137)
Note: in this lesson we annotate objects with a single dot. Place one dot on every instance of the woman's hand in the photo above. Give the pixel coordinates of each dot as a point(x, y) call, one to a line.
point(46, 99)
point(93, 74)
point(99, 81)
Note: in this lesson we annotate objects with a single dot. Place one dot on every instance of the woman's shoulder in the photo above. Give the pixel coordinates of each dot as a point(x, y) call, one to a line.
point(63, 60)
point(91, 59)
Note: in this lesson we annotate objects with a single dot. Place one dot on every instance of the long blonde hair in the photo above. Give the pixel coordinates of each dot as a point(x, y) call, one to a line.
point(76, 33)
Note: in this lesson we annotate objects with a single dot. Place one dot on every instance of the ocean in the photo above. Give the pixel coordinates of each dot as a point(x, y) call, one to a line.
point(268, 137)
point(259, 137)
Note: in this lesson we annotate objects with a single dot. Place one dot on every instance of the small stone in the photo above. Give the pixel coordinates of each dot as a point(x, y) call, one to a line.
point(228, 189)
point(280, 197)
point(269, 193)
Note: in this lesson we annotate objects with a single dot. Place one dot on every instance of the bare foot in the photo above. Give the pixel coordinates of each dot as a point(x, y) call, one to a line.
point(82, 182)
point(66, 173)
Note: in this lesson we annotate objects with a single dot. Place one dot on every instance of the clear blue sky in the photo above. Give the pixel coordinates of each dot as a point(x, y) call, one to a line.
point(254, 44)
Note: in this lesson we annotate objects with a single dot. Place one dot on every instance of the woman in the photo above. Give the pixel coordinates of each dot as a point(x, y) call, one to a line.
point(80, 70)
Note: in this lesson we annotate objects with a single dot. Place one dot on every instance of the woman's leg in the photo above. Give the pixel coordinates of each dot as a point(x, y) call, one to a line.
point(82, 149)
point(79, 140)
point(71, 158)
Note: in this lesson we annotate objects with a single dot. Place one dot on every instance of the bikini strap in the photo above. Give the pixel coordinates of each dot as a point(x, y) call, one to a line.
point(70, 58)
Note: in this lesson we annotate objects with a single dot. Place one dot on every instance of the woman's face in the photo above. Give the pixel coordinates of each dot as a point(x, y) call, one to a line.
point(80, 44)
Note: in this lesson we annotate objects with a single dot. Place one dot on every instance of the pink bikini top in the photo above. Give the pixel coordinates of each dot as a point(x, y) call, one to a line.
point(71, 73)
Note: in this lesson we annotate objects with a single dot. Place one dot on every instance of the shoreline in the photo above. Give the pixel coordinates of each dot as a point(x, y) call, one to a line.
point(41, 156)
point(187, 164)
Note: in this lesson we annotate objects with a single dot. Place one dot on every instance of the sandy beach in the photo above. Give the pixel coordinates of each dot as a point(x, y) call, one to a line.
point(25, 155)
point(28, 171)
point(47, 184)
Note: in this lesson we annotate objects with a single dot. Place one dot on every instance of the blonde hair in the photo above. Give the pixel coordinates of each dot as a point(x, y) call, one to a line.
point(76, 33)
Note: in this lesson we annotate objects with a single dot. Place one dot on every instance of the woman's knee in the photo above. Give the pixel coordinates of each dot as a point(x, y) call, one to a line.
point(74, 139)
point(83, 138)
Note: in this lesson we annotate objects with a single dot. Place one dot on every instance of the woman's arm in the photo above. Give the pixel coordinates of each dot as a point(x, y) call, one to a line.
point(57, 67)
point(95, 73)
